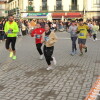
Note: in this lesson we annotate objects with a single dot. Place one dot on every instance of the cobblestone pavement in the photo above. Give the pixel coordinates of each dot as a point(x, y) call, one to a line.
point(27, 79)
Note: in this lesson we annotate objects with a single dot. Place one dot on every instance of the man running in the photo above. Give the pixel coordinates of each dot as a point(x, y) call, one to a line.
point(37, 33)
point(11, 29)
point(82, 36)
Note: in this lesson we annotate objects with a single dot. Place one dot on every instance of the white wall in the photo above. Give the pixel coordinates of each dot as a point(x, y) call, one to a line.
point(92, 7)
point(80, 4)
point(66, 4)
point(2, 11)
point(51, 4)
point(25, 4)
point(37, 4)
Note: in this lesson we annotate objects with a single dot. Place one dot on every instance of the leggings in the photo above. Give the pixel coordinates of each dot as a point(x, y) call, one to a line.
point(94, 36)
point(11, 40)
point(39, 48)
point(48, 51)
point(74, 43)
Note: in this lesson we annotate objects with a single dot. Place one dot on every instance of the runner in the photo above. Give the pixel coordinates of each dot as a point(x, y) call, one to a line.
point(49, 38)
point(82, 36)
point(72, 30)
point(11, 30)
point(37, 33)
point(90, 28)
point(95, 30)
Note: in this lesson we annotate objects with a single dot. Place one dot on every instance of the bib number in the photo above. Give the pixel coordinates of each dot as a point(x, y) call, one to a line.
point(81, 34)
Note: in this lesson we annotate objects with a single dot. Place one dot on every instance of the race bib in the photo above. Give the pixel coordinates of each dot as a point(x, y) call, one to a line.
point(73, 33)
point(37, 36)
point(46, 38)
point(81, 34)
point(9, 32)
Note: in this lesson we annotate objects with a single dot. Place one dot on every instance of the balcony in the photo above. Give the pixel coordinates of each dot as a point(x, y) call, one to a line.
point(29, 8)
point(10, 1)
point(58, 8)
point(43, 8)
point(73, 7)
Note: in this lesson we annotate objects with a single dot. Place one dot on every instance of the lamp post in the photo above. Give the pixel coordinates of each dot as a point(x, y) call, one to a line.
point(84, 10)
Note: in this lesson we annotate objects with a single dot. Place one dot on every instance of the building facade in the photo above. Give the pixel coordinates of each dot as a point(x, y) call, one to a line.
point(92, 9)
point(88, 9)
point(3, 12)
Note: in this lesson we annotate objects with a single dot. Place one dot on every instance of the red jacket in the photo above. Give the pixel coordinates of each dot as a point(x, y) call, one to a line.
point(37, 33)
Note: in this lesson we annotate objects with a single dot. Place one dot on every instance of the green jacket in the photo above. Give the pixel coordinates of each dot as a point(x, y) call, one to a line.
point(13, 26)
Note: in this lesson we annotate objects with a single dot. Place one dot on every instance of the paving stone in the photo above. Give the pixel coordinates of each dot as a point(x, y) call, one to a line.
point(27, 78)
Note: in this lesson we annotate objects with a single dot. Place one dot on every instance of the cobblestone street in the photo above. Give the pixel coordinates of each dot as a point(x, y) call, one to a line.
point(27, 78)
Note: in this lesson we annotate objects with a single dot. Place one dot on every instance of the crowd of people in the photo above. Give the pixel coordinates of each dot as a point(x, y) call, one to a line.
point(44, 33)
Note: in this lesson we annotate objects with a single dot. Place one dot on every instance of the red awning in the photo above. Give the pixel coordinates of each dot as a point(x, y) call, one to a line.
point(73, 15)
point(57, 15)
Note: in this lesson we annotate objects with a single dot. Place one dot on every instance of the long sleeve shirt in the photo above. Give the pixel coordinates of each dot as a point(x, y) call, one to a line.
point(12, 26)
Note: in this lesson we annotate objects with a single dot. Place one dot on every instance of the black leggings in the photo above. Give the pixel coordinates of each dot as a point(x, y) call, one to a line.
point(94, 36)
point(11, 40)
point(39, 48)
point(48, 51)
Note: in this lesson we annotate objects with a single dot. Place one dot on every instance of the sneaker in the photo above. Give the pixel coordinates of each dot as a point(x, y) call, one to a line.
point(72, 53)
point(81, 54)
point(75, 52)
point(41, 57)
point(54, 61)
point(96, 39)
point(11, 54)
point(86, 49)
point(49, 68)
point(14, 57)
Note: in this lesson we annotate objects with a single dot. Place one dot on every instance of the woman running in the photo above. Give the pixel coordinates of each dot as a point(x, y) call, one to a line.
point(49, 38)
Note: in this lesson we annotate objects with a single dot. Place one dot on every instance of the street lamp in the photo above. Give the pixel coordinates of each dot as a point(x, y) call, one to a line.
point(84, 10)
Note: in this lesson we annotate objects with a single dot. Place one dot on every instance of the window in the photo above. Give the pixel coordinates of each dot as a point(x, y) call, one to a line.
point(96, 2)
point(74, 2)
point(30, 0)
point(44, 4)
point(73, 5)
point(59, 3)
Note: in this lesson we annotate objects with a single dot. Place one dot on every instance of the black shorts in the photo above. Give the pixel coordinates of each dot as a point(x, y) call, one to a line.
point(11, 40)
point(81, 41)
